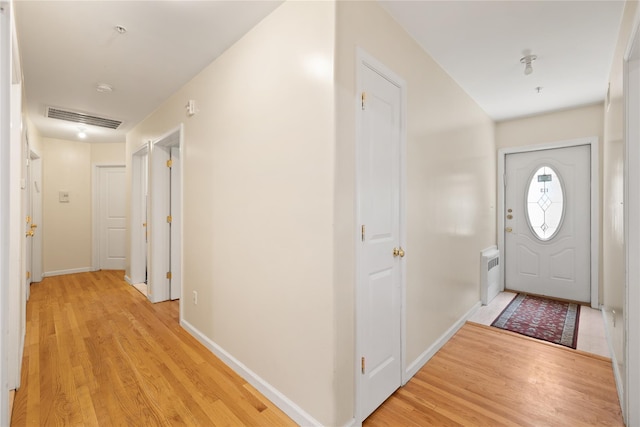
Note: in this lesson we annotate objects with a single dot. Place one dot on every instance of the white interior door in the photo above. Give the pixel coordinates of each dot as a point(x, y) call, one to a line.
point(112, 217)
point(35, 172)
point(165, 218)
point(379, 285)
point(158, 226)
point(176, 221)
point(139, 197)
point(548, 222)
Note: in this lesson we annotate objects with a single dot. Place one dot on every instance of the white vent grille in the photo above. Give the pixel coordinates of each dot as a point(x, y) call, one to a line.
point(85, 119)
point(493, 263)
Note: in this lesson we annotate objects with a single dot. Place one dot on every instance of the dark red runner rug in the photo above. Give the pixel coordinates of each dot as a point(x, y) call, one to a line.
point(541, 318)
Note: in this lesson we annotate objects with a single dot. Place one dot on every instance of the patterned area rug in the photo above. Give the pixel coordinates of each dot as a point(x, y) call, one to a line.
point(541, 318)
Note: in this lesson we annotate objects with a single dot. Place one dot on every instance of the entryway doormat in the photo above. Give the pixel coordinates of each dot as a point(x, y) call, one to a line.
point(541, 318)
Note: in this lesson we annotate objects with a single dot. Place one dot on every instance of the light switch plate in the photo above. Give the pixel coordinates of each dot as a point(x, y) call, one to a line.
point(63, 196)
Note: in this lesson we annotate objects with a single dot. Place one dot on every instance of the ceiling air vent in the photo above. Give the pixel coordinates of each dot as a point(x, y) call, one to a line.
point(85, 119)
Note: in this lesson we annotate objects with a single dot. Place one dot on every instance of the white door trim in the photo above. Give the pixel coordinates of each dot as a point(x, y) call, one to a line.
point(95, 191)
point(364, 59)
point(630, 398)
point(595, 202)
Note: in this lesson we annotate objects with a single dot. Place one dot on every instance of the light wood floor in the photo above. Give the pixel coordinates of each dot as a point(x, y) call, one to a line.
point(488, 377)
point(98, 353)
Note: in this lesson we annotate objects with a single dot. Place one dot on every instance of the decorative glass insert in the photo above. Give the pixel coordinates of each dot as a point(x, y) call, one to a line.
point(545, 203)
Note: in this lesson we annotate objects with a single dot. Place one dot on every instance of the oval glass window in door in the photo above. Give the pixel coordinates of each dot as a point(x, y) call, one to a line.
point(545, 203)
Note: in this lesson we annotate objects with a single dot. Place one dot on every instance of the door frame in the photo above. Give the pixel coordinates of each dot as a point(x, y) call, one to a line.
point(595, 203)
point(363, 59)
point(95, 204)
point(630, 396)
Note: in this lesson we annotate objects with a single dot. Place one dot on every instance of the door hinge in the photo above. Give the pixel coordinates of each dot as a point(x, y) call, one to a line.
point(363, 98)
point(169, 219)
point(362, 233)
point(168, 275)
point(362, 364)
point(28, 275)
point(28, 219)
point(169, 163)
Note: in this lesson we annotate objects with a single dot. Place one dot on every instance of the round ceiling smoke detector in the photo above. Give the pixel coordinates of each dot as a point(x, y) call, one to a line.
point(104, 88)
point(120, 29)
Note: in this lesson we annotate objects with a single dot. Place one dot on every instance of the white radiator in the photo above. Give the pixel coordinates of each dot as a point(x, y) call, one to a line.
point(489, 274)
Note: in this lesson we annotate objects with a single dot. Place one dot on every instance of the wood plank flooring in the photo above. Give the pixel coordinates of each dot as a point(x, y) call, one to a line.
point(488, 377)
point(98, 353)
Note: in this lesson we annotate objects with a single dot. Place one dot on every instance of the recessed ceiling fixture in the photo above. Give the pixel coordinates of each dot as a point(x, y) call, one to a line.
point(104, 88)
point(527, 60)
point(81, 133)
point(120, 29)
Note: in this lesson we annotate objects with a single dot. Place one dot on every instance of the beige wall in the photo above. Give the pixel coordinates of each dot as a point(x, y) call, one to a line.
point(258, 201)
point(450, 188)
point(551, 127)
point(67, 227)
point(613, 218)
point(108, 154)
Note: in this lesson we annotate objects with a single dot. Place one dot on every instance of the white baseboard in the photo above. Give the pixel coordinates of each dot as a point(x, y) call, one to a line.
point(70, 271)
point(295, 412)
point(128, 279)
point(417, 364)
point(614, 361)
point(352, 423)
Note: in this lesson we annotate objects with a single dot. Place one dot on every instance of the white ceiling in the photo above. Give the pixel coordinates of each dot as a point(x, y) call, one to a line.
point(69, 47)
point(480, 43)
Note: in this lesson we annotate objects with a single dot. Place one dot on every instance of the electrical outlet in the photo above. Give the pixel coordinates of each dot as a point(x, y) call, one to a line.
point(195, 297)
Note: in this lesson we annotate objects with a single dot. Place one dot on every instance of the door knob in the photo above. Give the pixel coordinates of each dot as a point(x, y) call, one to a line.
point(398, 252)
point(30, 233)
point(508, 229)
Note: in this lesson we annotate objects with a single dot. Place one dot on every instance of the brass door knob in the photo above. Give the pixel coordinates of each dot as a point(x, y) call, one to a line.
point(30, 233)
point(508, 229)
point(398, 252)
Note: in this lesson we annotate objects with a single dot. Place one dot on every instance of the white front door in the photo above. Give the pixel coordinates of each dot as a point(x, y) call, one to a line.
point(379, 284)
point(548, 222)
point(112, 217)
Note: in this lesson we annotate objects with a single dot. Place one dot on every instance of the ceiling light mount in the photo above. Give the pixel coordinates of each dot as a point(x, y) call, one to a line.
point(120, 29)
point(527, 60)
